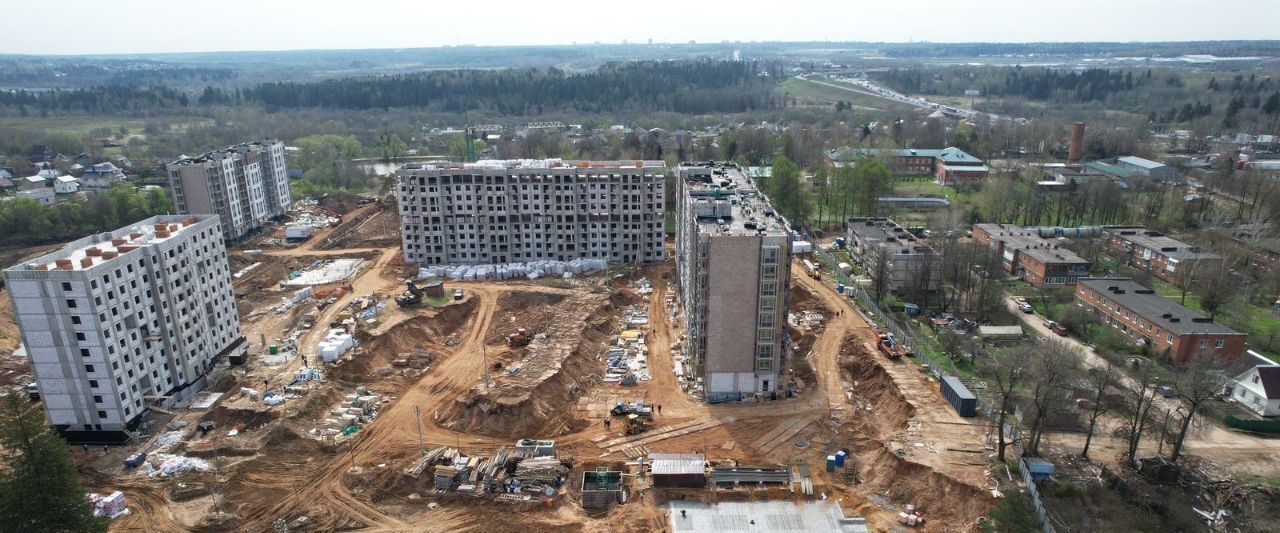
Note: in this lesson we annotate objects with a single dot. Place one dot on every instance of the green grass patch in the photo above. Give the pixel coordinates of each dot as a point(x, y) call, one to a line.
point(807, 91)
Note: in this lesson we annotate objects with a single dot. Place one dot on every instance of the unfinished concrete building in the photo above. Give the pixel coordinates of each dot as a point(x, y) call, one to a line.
point(493, 212)
point(115, 321)
point(245, 185)
point(733, 254)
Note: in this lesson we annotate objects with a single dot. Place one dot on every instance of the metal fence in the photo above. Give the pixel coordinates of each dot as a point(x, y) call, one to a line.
point(1033, 494)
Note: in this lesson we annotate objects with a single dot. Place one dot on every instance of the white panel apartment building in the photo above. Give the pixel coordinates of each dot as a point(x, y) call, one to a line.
point(733, 254)
point(116, 320)
point(493, 212)
point(245, 185)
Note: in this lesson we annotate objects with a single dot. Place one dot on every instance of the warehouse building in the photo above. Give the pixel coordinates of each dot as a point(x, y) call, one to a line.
point(733, 255)
point(116, 321)
point(1148, 319)
point(494, 212)
point(678, 470)
point(245, 185)
point(1147, 168)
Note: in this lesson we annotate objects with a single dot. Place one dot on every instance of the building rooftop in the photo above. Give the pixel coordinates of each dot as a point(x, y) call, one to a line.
point(1166, 245)
point(879, 230)
point(1154, 308)
point(726, 201)
point(1140, 162)
point(1028, 242)
point(955, 156)
point(762, 517)
point(103, 248)
point(539, 164)
point(1122, 173)
point(677, 463)
point(949, 155)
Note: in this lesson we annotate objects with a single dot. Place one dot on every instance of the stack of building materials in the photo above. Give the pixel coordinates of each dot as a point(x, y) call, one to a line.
point(626, 362)
point(111, 506)
point(174, 465)
point(738, 475)
point(336, 343)
point(504, 271)
point(541, 469)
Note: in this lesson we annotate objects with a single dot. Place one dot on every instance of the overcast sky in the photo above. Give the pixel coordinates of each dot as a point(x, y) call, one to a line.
point(145, 26)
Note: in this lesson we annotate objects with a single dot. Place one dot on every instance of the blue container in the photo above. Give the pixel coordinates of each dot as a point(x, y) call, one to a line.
point(840, 289)
point(831, 463)
point(840, 242)
point(840, 458)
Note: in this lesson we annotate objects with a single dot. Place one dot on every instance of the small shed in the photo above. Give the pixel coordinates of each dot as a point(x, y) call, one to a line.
point(601, 487)
point(678, 470)
point(434, 288)
point(1000, 333)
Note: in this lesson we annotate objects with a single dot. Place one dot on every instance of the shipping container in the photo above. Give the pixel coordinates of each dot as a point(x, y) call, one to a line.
point(964, 402)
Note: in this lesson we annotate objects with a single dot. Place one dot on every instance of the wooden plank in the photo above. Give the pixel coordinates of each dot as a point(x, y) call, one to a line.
point(652, 438)
point(787, 435)
point(760, 443)
point(633, 438)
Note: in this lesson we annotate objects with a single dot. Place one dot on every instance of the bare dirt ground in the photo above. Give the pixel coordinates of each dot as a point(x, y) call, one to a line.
point(428, 365)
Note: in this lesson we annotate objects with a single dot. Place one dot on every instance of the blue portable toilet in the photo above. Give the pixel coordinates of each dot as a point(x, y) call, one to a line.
point(840, 458)
point(840, 289)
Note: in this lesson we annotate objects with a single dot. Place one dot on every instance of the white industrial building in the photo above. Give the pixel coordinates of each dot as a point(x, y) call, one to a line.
point(494, 212)
point(116, 321)
point(733, 255)
point(245, 185)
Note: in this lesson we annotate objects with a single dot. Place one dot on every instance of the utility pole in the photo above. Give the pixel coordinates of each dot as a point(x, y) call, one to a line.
point(484, 350)
point(213, 490)
point(418, 415)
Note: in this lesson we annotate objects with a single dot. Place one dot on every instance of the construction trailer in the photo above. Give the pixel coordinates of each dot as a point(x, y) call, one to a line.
point(433, 289)
point(959, 396)
point(678, 470)
point(601, 487)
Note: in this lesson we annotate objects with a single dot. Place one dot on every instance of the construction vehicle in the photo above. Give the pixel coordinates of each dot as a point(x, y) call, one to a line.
point(632, 409)
point(890, 346)
point(637, 424)
point(519, 338)
point(412, 295)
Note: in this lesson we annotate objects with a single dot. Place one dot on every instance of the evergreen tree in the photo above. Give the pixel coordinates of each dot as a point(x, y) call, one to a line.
point(39, 491)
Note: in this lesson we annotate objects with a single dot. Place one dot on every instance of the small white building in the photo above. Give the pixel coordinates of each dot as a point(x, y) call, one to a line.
point(1258, 388)
point(103, 176)
point(66, 185)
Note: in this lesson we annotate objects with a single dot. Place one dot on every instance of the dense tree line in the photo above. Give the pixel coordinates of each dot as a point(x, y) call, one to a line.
point(678, 86)
point(1040, 84)
point(103, 100)
point(27, 222)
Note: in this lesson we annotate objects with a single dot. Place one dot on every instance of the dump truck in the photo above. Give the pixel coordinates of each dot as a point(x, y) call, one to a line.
point(636, 424)
point(412, 295)
point(890, 346)
point(519, 338)
point(634, 408)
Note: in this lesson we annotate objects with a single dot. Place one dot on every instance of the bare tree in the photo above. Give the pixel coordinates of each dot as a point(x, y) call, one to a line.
point(1199, 380)
point(1052, 369)
point(881, 271)
point(1007, 369)
point(1141, 394)
point(1101, 378)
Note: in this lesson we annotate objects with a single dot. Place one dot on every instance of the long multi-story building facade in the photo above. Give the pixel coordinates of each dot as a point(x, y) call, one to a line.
point(245, 185)
point(1034, 254)
point(1163, 256)
point(1145, 318)
point(115, 321)
point(733, 255)
point(493, 212)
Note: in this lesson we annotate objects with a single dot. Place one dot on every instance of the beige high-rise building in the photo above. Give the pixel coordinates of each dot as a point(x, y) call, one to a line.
point(245, 185)
point(493, 212)
point(733, 255)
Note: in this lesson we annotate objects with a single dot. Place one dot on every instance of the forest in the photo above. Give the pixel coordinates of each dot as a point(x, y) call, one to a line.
point(693, 87)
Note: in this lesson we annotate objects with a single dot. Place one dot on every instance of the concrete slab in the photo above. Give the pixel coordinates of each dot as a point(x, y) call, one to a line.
point(762, 517)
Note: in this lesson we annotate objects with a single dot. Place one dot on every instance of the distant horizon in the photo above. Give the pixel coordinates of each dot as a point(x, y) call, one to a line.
point(619, 43)
point(146, 27)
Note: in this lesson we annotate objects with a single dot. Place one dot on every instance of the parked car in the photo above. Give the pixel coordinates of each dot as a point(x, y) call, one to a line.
point(1025, 306)
point(135, 460)
point(1166, 391)
point(1055, 327)
point(457, 294)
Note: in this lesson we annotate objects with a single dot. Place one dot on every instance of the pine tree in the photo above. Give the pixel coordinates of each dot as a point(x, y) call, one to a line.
point(39, 490)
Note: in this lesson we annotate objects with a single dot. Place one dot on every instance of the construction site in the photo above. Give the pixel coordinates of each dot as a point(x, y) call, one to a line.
point(369, 403)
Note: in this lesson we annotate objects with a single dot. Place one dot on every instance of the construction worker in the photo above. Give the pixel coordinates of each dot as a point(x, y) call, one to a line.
point(86, 449)
point(659, 408)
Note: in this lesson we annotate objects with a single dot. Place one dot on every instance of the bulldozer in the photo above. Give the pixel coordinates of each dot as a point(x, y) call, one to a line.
point(411, 297)
point(519, 338)
point(637, 424)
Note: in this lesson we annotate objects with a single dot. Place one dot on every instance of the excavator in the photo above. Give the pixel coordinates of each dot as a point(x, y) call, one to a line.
point(636, 424)
point(411, 297)
point(519, 338)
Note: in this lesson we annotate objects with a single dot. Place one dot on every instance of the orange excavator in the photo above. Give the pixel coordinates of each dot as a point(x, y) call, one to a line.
point(519, 338)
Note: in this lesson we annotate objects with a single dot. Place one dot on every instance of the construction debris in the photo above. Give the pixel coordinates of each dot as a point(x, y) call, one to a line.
point(530, 270)
point(111, 506)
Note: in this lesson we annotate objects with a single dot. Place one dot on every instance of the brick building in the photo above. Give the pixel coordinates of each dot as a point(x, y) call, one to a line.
point(1148, 319)
point(1161, 255)
point(1042, 262)
point(951, 166)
